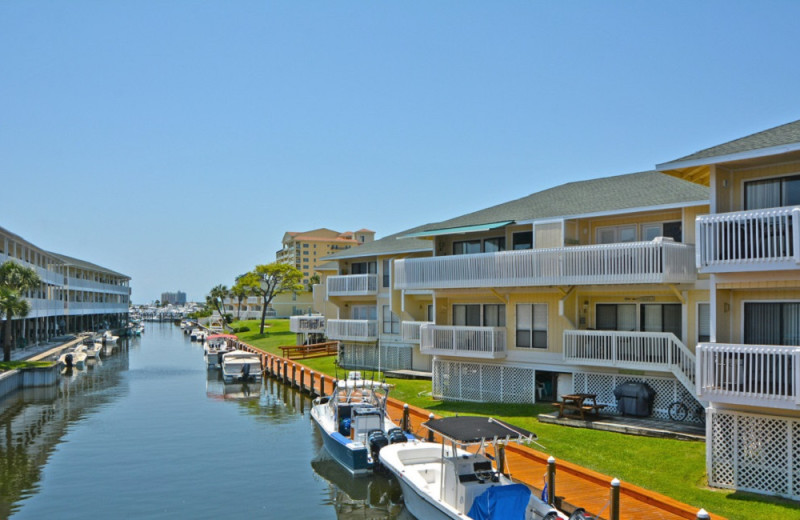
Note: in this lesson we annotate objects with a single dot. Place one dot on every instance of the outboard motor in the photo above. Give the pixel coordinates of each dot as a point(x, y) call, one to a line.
point(376, 440)
point(68, 360)
point(396, 435)
point(245, 371)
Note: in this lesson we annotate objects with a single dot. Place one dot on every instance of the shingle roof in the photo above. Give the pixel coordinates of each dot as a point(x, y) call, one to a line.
point(620, 192)
point(391, 244)
point(778, 136)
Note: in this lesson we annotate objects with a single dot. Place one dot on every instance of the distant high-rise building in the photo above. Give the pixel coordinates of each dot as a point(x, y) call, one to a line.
point(305, 249)
point(175, 298)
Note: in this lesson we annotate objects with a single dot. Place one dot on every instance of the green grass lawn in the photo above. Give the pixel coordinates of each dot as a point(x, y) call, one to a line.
point(673, 468)
point(14, 365)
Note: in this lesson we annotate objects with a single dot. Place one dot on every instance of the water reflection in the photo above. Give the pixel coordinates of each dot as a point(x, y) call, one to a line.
point(34, 420)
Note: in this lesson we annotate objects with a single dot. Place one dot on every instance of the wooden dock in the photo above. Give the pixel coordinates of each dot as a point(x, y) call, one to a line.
point(575, 486)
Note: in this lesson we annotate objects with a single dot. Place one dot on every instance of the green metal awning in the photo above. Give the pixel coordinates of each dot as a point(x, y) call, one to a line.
point(458, 230)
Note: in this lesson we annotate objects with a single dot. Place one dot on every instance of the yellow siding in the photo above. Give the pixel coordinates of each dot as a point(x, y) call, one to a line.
point(734, 195)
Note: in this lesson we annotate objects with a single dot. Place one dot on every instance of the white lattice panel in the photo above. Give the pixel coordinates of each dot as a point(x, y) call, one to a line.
point(755, 453)
point(668, 390)
point(482, 382)
point(368, 356)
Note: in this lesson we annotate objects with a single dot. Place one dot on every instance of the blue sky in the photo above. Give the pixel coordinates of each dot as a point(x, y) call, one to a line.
point(177, 141)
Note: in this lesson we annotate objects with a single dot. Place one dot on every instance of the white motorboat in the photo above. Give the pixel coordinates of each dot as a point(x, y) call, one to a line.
point(354, 423)
point(109, 338)
point(445, 481)
point(216, 345)
point(93, 350)
point(74, 357)
point(198, 334)
point(240, 365)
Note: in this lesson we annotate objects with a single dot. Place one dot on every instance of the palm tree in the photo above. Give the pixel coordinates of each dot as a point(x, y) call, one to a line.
point(216, 297)
point(15, 280)
point(240, 292)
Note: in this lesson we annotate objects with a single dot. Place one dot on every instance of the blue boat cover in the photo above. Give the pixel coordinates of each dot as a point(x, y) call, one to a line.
point(501, 502)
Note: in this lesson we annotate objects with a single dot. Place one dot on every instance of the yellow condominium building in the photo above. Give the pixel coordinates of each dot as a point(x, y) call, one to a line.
point(305, 249)
point(748, 359)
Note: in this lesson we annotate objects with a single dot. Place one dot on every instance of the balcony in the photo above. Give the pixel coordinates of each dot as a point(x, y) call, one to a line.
point(754, 375)
point(472, 342)
point(307, 324)
point(411, 330)
point(657, 261)
point(757, 240)
point(655, 351)
point(352, 330)
point(353, 285)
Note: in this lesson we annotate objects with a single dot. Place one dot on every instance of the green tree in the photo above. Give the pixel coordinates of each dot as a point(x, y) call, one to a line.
point(314, 279)
point(215, 299)
point(15, 280)
point(270, 280)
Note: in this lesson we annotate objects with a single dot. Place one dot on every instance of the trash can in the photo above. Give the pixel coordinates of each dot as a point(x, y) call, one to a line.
point(635, 399)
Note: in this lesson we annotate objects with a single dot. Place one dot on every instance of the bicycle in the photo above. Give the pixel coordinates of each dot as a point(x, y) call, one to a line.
point(680, 411)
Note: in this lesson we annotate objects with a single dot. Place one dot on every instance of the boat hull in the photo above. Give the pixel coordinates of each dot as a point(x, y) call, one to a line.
point(350, 454)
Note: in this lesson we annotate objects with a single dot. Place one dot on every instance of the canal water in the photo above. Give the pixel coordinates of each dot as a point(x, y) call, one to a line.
point(149, 432)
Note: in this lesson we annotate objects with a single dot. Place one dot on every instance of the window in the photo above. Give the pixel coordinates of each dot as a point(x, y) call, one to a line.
point(364, 312)
point(772, 323)
point(522, 240)
point(488, 245)
point(616, 234)
point(386, 268)
point(466, 247)
point(305, 245)
point(673, 230)
point(364, 268)
point(391, 321)
point(661, 318)
point(532, 325)
point(703, 322)
point(429, 314)
point(772, 193)
point(612, 316)
point(477, 315)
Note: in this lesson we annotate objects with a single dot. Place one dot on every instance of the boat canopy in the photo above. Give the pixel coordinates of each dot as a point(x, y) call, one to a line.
point(226, 336)
point(474, 430)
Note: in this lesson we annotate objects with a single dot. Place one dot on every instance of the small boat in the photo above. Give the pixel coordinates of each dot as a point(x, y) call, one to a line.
point(216, 345)
point(74, 357)
point(198, 335)
point(445, 481)
point(109, 338)
point(240, 365)
point(93, 350)
point(354, 423)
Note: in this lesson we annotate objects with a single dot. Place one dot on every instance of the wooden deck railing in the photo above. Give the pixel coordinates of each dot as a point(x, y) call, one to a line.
point(329, 348)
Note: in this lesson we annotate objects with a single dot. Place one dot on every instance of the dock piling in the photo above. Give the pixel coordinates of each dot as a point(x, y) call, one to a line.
point(551, 480)
point(614, 509)
point(405, 423)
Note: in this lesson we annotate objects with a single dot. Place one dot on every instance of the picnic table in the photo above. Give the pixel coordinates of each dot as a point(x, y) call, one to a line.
point(579, 402)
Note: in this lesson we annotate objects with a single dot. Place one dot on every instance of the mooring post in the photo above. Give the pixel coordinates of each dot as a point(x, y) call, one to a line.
point(430, 432)
point(302, 378)
point(294, 374)
point(286, 372)
point(405, 417)
point(551, 480)
point(703, 515)
point(614, 509)
point(322, 384)
point(311, 384)
point(501, 458)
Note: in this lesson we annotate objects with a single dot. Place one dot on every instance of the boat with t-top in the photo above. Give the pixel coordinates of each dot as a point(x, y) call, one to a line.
point(354, 423)
point(448, 481)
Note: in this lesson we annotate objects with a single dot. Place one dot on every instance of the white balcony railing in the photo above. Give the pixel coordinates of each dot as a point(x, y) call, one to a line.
point(756, 375)
point(307, 324)
point(474, 342)
point(764, 239)
point(352, 330)
point(657, 351)
point(657, 261)
point(352, 285)
point(411, 330)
